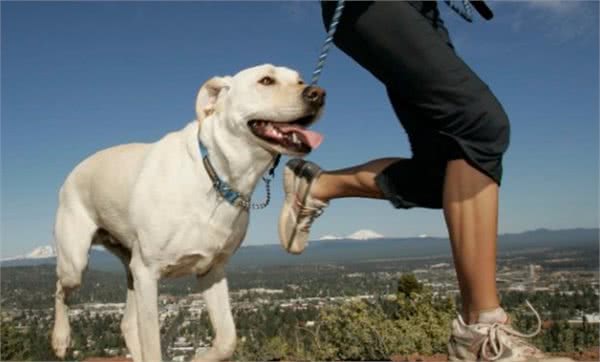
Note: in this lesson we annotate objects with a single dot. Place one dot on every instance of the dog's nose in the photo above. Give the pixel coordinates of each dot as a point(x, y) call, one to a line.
point(314, 95)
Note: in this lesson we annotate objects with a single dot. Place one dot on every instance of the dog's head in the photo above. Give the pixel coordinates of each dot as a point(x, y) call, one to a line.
point(270, 105)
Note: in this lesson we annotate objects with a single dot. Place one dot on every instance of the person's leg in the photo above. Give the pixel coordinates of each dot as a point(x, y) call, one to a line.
point(435, 94)
point(308, 190)
point(470, 201)
point(356, 181)
point(450, 115)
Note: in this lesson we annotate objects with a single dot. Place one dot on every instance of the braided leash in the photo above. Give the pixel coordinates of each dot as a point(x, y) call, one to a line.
point(328, 41)
point(466, 12)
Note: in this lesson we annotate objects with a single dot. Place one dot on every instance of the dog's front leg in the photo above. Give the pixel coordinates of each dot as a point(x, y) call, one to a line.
point(145, 283)
point(216, 296)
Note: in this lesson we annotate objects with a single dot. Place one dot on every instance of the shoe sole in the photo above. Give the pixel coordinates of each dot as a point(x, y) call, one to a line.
point(295, 168)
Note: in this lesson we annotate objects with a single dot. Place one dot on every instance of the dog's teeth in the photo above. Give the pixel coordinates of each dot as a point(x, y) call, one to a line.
point(295, 138)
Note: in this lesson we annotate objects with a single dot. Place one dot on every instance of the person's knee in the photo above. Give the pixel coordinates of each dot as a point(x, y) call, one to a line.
point(494, 134)
point(500, 125)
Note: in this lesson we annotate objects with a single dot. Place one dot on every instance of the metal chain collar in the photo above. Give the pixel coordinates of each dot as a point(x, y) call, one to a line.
point(246, 204)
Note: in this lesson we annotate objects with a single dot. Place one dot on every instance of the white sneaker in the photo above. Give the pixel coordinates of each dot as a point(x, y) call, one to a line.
point(299, 209)
point(494, 342)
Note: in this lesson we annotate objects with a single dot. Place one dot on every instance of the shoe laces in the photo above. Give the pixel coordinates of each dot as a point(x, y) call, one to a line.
point(496, 343)
point(307, 216)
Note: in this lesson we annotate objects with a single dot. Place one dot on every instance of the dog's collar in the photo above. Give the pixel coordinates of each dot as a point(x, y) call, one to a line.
point(225, 190)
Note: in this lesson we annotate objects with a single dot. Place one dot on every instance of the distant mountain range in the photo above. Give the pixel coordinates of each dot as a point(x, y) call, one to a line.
point(358, 235)
point(343, 250)
point(47, 251)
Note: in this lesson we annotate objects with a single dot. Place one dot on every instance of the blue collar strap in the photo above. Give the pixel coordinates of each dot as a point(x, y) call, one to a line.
point(227, 192)
point(223, 188)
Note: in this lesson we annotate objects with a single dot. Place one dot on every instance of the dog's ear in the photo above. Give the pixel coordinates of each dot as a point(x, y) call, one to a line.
point(208, 95)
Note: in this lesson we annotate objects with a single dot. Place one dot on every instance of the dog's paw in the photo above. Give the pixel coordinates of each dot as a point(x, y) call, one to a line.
point(61, 339)
point(203, 358)
point(212, 355)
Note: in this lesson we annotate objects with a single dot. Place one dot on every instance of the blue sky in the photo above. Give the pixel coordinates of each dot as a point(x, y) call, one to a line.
point(81, 76)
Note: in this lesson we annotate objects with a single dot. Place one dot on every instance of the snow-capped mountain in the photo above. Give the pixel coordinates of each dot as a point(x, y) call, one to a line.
point(330, 237)
point(42, 252)
point(46, 251)
point(364, 235)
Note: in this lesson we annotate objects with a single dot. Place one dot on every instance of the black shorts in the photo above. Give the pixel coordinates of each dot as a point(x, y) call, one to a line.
point(447, 111)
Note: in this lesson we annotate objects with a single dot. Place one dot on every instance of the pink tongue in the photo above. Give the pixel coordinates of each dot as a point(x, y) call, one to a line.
point(313, 139)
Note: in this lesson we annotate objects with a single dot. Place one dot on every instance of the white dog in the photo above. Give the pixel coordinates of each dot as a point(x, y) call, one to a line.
point(166, 211)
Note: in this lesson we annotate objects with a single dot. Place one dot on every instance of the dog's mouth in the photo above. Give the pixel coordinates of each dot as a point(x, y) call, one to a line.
point(293, 136)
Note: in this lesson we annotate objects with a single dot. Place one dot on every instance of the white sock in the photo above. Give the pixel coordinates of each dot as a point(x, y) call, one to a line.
point(497, 315)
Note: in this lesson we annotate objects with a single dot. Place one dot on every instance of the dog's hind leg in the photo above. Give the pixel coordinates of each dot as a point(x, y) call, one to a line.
point(129, 327)
point(145, 282)
point(73, 235)
point(216, 296)
point(61, 334)
point(129, 324)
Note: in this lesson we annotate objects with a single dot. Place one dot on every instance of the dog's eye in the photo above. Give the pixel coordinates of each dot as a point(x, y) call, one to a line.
point(300, 82)
point(267, 81)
